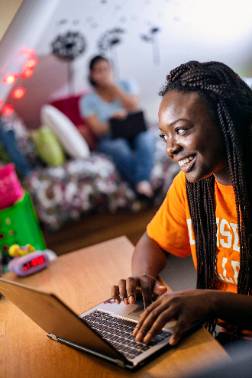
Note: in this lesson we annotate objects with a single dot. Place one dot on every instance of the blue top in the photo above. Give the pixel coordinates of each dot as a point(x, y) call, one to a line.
point(93, 104)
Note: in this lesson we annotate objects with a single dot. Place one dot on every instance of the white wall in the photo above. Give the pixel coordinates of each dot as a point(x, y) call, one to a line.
point(189, 29)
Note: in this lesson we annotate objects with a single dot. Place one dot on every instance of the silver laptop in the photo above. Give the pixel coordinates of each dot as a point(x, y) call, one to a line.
point(104, 331)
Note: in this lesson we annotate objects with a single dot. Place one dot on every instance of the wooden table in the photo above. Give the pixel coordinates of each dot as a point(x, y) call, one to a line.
point(82, 279)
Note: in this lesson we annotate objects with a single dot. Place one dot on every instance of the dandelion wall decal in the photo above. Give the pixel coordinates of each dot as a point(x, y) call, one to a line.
point(68, 47)
point(108, 41)
point(151, 37)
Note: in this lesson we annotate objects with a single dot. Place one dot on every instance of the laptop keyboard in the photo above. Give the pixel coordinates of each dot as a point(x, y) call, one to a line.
point(119, 333)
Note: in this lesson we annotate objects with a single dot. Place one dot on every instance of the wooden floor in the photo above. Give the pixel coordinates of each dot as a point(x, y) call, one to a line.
point(96, 228)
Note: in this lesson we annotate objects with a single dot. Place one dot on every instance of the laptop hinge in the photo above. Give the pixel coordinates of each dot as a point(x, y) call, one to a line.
point(52, 336)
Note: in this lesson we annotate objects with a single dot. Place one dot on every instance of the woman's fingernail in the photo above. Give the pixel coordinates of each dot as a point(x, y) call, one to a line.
point(147, 338)
point(171, 340)
point(139, 337)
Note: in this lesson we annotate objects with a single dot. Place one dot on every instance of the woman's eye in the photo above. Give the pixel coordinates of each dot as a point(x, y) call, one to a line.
point(163, 137)
point(181, 131)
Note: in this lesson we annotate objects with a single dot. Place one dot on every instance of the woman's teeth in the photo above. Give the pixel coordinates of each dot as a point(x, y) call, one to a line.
point(185, 161)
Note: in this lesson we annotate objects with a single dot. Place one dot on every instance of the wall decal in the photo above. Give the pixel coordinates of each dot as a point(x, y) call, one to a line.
point(68, 47)
point(151, 37)
point(109, 39)
point(107, 43)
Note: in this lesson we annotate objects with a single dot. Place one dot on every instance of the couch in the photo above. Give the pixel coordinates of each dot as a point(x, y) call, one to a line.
point(92, 184)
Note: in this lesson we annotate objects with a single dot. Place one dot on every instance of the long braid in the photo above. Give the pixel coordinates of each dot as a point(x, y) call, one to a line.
point(235, 166)
point(230, 100)
point(205, 229)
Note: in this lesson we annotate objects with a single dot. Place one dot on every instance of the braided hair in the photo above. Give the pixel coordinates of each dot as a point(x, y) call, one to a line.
point(230, 101)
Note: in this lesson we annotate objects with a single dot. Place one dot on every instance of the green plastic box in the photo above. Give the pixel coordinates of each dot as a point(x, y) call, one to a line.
point(19, 225)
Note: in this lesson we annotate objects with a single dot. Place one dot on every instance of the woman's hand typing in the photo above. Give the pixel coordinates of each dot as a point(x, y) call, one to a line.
point(186, 308)
point(128, 290)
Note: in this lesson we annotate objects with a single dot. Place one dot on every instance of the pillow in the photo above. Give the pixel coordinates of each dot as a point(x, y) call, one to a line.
point(48, 146)
point(70, 107)
point(66, 132)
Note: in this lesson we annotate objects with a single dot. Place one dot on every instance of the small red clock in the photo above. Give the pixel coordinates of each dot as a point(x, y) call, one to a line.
point(29, 264)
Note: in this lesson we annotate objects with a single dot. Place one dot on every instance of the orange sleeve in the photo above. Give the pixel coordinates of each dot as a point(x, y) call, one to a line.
point(168, 227)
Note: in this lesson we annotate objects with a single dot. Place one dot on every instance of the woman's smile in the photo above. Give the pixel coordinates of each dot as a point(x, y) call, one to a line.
point(187, 164)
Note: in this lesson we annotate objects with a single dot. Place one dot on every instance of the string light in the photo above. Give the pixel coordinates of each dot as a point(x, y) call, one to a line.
point(18, 93)
point(28, 72)
point(9, 78)
point(7, 110)
point(31, 63)
point(27, 69)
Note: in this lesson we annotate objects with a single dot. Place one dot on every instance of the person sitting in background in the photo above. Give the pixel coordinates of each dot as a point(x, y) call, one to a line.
point(134, 161)
point(205, 121)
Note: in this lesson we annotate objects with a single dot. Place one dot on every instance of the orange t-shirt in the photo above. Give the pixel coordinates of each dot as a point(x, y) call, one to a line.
point(171, 228)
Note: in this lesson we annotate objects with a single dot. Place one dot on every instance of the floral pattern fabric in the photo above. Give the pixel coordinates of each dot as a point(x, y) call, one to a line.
point(92, 184)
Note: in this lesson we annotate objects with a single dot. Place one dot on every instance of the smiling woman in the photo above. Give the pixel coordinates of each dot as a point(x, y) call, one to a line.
point(205, 119)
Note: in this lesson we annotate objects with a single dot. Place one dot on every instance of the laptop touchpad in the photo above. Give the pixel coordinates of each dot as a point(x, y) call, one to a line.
point(131, 311)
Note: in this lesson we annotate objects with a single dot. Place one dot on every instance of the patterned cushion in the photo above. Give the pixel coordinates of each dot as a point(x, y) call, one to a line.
point(64, 193)
point(83, 185)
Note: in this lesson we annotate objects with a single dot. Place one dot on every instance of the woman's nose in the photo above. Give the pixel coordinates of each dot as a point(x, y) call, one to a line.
point(172, 147)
